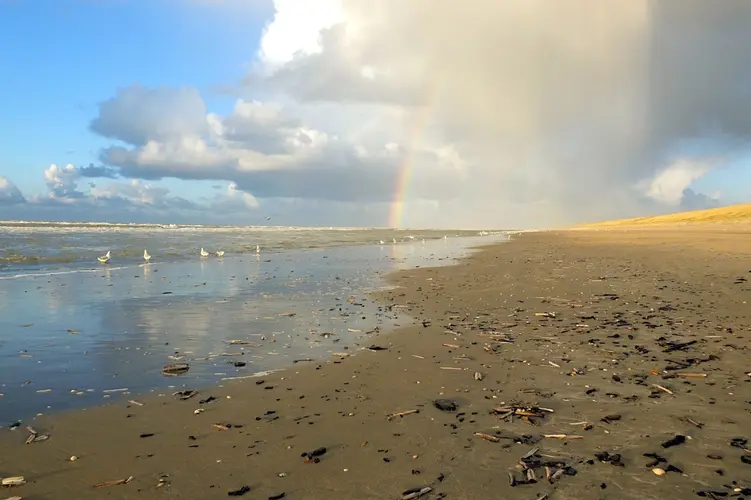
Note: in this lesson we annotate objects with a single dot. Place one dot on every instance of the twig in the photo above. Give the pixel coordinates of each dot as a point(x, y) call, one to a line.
point(115, 482)
point(401, 414)
point(562, 436)
point(664, 389)
point(487, 437)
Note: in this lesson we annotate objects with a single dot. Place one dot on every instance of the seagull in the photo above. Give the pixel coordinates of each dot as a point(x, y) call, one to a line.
point(258, 249)
point(393, 240)
point(146, 256)
point(104, 258)
point(382, 242)
point(204, 253)
point(220, 253)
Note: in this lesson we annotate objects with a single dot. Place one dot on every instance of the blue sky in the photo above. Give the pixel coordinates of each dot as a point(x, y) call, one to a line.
point(68, 55)
point(228, 110)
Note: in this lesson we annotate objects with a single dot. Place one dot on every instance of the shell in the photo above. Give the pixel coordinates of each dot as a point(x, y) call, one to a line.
point(658, 471)
point(13, 481)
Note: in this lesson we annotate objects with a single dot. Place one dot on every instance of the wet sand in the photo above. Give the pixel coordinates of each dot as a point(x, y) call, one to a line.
point(84, 337)
point(628, 339)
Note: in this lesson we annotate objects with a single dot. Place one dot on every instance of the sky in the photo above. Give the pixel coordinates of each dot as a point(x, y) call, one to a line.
point(427, 113)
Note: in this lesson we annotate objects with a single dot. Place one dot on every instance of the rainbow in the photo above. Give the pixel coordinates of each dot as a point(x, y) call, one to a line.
point(417, 128)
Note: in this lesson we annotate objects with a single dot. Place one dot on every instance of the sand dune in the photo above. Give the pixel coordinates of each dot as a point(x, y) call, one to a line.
point(723, 215)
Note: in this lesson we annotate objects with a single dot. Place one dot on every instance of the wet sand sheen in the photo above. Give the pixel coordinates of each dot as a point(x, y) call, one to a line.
point(572, 334)
point(83, 338)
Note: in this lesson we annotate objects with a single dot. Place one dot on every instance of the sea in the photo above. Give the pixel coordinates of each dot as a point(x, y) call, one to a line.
point(76, 333)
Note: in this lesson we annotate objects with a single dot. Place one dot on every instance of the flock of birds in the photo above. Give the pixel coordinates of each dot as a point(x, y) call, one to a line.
point(104, 259)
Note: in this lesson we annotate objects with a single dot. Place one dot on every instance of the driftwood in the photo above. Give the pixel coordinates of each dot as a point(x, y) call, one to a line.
point(487, 437)
point(391, 416)
point(115, 482)
point(175, 369)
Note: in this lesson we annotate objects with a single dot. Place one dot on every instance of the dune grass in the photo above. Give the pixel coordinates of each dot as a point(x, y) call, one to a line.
point(722, 215)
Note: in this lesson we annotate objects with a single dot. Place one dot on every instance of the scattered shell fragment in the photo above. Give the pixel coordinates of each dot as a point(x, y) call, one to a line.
point(13, 481)
point(478, 376)
point(658, 471)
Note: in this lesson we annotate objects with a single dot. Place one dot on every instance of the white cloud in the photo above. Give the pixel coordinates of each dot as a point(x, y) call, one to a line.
point(669, 185)
point(9, 193)
point(506, 113)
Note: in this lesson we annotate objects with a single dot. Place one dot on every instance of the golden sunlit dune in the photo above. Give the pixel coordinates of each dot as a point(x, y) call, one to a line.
point(722, 215)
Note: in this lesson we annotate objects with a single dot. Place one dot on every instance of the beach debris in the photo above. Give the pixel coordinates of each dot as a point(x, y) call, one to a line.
point(288, 314)
point(610, 418)
point(445, 404)
point(163, 481)
point(413, 493)
point(663, 389)
point(553, 468)
point(186, 394)
point(562, 436)
point(239, 492)
point(526, 413)
point(73, 458)
point(146, 435)
point(114, 482)
point(690, 375)
point(607, 458)
point(487, 437)
point(674, 441)
point(34, 436)
point(222, 427)
point(198, 411)
point(13, 481)
point(314, 456)
point(391, 416)
point(240, 342)
point(207, 400)
point(175, 369)
point(478, 376)
point(277, 497)
point(739, 442)
point(377, 348)
point(545, 314)
point(658, 472)
point(134, 402)
point(656, 459)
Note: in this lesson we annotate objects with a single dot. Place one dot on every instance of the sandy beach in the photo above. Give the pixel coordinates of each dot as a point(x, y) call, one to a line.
point(561, 365)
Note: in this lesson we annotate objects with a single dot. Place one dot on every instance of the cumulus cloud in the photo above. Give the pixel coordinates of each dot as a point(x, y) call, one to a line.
point(134, 200)
point(9, 193)
point(518, 112)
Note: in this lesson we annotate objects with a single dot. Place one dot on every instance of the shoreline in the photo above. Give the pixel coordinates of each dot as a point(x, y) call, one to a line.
point(86, 339)
point(464, 313)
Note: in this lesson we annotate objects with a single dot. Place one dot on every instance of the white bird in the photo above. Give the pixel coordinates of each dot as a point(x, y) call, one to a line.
point(258, 249)
point(393, 240)
point(146, 256)
point(204, 253)
point(382, 242)
point(104, 258)
point(220, 253)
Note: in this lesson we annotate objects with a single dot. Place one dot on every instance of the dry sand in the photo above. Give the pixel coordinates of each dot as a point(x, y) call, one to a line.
point(621, 315)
